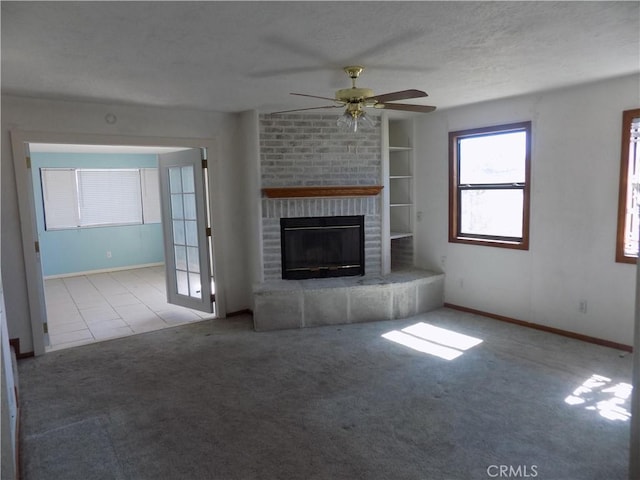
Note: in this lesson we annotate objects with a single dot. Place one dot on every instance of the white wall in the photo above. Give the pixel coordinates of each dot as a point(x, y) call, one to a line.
point(575, 172)
point(251, 171)
point(89, 118)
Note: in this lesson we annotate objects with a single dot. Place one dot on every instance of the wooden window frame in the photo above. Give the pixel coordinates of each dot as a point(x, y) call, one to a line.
point(627, 118)
point(455, 188)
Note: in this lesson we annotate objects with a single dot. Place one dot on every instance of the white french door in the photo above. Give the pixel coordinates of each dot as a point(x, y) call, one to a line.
point(185, 221)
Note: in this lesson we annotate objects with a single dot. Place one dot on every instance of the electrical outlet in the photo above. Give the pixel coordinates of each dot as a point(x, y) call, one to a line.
point(582, 306)
point(108, 253)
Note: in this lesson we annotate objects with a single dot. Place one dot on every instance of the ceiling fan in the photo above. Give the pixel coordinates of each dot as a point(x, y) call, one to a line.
point(356, 99)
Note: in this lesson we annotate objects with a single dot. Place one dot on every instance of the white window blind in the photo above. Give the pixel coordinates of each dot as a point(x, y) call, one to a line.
point(632, 220)
point(60, 198)
point(92, 197)
point(109, 197)
point(150, 195)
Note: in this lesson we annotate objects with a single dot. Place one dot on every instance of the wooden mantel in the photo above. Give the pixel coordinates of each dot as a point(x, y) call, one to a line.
point(322, 191)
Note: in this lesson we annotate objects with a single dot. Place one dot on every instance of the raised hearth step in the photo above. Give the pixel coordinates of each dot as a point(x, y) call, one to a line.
point(283, 304)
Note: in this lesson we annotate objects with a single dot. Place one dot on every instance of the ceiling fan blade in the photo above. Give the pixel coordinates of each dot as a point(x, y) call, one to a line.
point(405, 107)
point(315, 96)
point(303, 109)
point(401, 95)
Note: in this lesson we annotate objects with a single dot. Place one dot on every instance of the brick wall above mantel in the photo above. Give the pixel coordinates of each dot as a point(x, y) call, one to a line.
point(304, 150)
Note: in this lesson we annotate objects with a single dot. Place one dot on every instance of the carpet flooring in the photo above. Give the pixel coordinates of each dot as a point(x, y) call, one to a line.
point(216, 400)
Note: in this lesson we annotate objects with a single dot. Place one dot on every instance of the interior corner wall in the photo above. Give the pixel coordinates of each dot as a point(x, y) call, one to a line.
point(575, 169)
point(31, 114)
point(250, 130)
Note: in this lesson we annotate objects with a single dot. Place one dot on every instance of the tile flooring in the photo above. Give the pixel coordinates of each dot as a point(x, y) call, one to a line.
point(90, 308)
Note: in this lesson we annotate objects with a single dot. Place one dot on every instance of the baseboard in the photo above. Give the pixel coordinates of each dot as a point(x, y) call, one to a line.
point(15, 343)
point(246, 311)
point(103, 270)
point(544, 328)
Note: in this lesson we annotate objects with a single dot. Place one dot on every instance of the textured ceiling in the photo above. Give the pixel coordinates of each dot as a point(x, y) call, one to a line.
point(235, 56)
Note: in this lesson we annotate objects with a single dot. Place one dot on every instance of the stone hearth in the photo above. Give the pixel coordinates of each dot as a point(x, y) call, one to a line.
point(282, 304)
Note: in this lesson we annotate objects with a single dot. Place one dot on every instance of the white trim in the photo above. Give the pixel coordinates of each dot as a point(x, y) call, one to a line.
point(29, 234)
point(26, 207)
point(385, 238)
point(103, 270)
point(415, 134)
point(634, 444)
point(113, 149)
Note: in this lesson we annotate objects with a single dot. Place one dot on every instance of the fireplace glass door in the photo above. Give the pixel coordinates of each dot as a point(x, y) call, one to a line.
point(318, 247)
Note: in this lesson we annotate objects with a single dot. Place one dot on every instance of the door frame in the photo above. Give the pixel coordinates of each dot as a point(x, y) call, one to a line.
point(26, 207)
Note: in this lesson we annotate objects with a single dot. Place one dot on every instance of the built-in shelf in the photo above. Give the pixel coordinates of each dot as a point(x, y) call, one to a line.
point(396, 235)
point(322, 191)
point(400, 194)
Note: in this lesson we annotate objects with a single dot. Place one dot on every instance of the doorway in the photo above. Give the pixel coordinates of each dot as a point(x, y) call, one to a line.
point(116, 281)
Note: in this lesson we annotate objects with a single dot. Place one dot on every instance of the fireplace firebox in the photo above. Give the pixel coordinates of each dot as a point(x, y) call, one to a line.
point(319, 247)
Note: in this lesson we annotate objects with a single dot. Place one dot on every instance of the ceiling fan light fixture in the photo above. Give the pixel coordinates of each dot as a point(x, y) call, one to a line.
point(347, 122)
point(353, 117)
point(367, 120)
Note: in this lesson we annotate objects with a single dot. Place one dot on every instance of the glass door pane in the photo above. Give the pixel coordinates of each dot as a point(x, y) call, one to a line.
point(181, 186)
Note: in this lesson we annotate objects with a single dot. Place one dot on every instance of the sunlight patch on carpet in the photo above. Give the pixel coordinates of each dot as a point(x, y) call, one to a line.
point(433, 340)
point(600, 394)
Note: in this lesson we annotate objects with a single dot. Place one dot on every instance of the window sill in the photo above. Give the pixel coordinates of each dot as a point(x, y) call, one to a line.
point(490, 243)
point(627, 260)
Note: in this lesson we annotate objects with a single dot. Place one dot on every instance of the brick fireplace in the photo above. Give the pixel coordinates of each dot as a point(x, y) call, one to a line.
point(310, 151)
point(309, 168)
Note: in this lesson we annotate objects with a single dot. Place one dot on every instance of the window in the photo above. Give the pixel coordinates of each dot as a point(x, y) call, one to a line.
point(489, 186)
point(60, 198)
point(76, 198)
point(109, 197)
point(628, 196)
